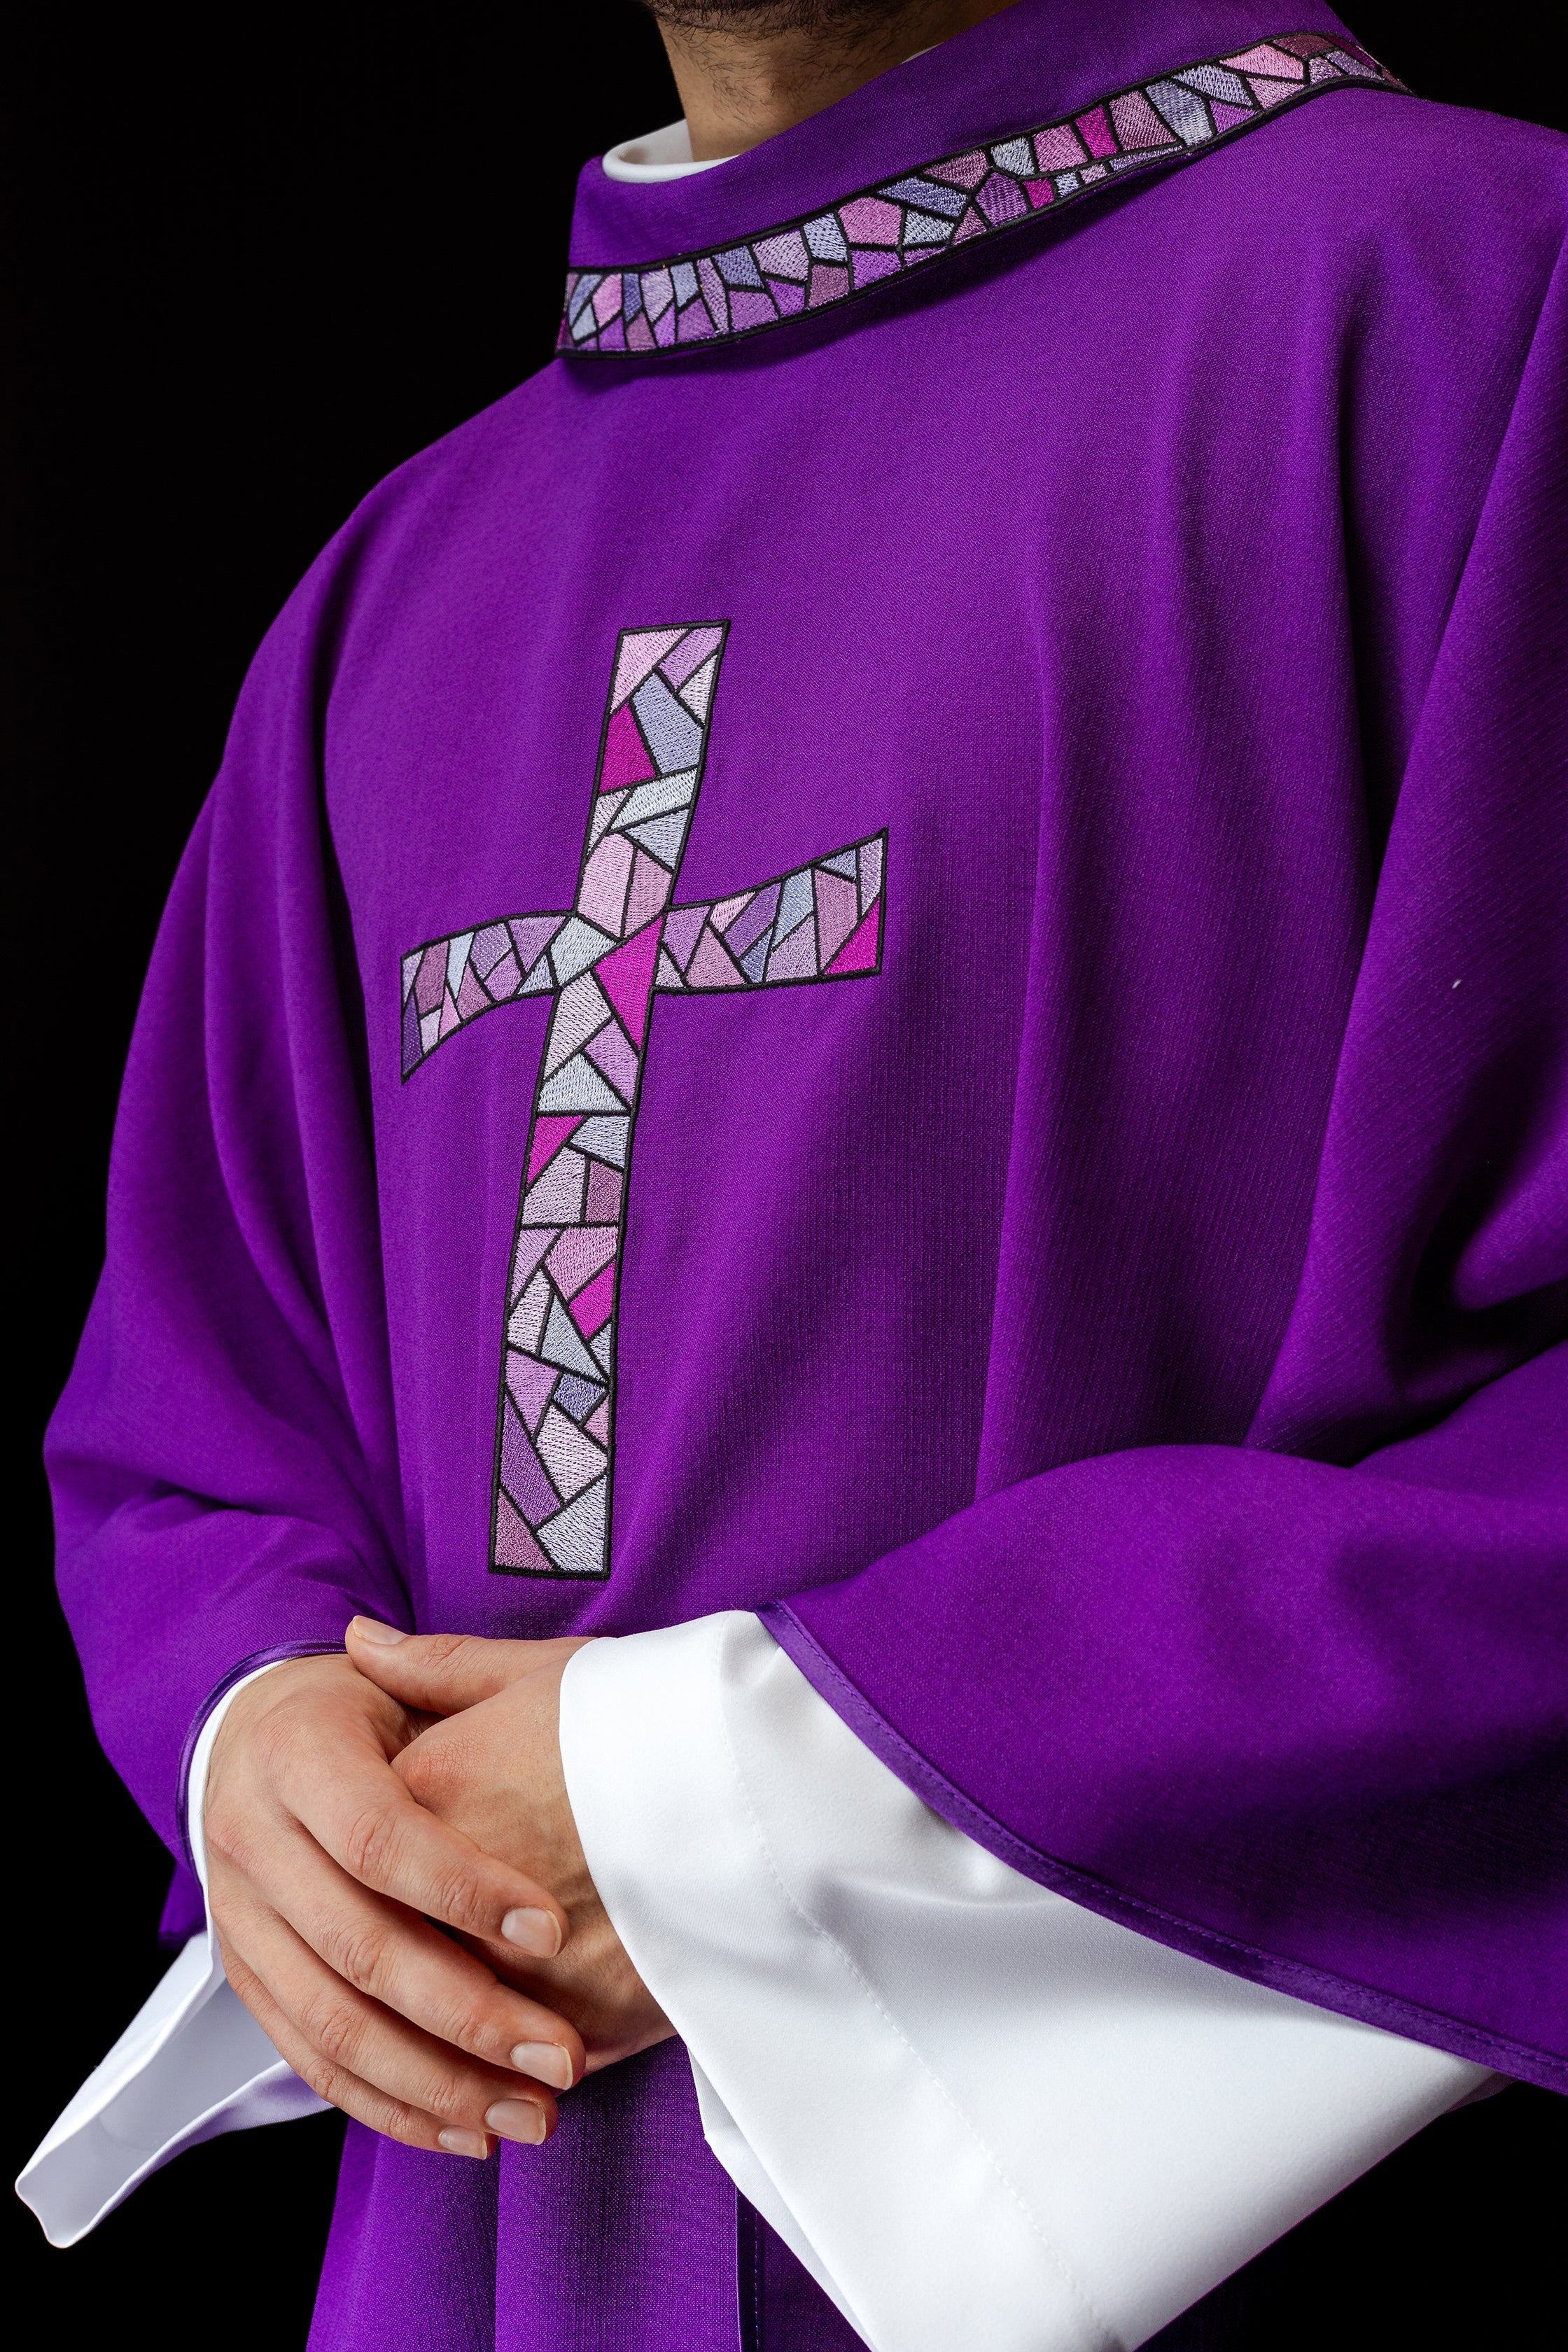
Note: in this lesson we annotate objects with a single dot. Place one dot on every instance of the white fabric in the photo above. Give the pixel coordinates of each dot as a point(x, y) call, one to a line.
point(979, 2114)
point(192, 2064)
point(657, 155)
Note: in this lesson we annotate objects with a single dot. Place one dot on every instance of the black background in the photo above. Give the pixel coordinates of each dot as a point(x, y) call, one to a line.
point(264, 256)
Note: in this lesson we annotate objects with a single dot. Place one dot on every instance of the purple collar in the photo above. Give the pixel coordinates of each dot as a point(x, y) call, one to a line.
point(1021, 113)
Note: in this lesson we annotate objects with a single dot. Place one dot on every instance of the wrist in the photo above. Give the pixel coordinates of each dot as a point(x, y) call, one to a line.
point(270, 1687)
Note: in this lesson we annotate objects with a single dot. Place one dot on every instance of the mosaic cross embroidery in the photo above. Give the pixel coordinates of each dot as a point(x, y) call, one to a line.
point(603, 963)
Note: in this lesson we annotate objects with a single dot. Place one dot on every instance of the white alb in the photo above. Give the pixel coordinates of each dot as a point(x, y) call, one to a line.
point(657, 155)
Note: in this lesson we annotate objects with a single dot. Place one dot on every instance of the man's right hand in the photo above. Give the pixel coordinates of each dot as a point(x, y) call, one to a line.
point(324, 1876)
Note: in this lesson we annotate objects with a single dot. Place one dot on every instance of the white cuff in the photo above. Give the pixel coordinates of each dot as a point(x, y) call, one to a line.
point(192, 2064)
point(977, 2112)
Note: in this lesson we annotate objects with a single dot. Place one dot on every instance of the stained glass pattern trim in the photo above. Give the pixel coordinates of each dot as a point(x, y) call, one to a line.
point(601, 963)
point(881, 233)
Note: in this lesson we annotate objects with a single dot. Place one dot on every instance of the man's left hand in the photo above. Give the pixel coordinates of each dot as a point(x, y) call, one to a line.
point(491, 1767)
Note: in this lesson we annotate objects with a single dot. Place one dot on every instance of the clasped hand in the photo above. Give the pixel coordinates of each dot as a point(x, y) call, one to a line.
point(401, 1897)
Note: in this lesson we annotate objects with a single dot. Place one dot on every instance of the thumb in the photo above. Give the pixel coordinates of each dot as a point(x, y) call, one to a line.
point(443, 1673)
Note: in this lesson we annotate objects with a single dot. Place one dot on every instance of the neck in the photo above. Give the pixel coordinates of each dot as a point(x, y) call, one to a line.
point(745, 72)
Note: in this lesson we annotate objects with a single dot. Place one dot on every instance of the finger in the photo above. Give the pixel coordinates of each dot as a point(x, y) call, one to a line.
point(359, 1811)
point(396, 1958)
point(443, 1673)
point(375, 2066)
point(341, 2089)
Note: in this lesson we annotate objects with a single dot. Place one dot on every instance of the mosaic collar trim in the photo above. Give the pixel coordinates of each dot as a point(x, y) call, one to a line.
point(819, 260)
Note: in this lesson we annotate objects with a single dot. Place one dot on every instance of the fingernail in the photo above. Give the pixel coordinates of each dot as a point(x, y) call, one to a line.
point(370, 1629)
point(468, 2143)
point(516, 2119)
point(533, 1931)
point(546, 2062)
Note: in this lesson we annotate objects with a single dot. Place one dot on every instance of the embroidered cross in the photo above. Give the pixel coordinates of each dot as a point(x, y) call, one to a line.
point(602, 963)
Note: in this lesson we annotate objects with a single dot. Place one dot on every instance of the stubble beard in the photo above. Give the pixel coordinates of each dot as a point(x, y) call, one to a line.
point(759, 19)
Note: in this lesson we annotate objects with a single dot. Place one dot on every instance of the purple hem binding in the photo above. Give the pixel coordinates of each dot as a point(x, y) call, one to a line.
point(274, 1657)
point(1298, 1977)
point(811, 263)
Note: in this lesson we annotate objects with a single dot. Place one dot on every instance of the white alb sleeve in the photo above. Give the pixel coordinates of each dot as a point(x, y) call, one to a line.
point(976, 2112)
point(192, 2064)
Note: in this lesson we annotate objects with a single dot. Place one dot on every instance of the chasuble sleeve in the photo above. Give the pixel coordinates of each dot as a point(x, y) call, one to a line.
point(888, 2026)
point(223, 1458)
point(1296, 1705)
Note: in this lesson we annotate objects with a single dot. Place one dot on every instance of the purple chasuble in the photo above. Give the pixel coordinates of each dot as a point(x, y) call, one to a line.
point(1008, 813)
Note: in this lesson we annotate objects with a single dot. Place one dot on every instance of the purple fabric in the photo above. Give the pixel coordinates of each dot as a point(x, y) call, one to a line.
point(624, 2237)
point(781, 2307)
point(1109, 1326)
point(185, 1912)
